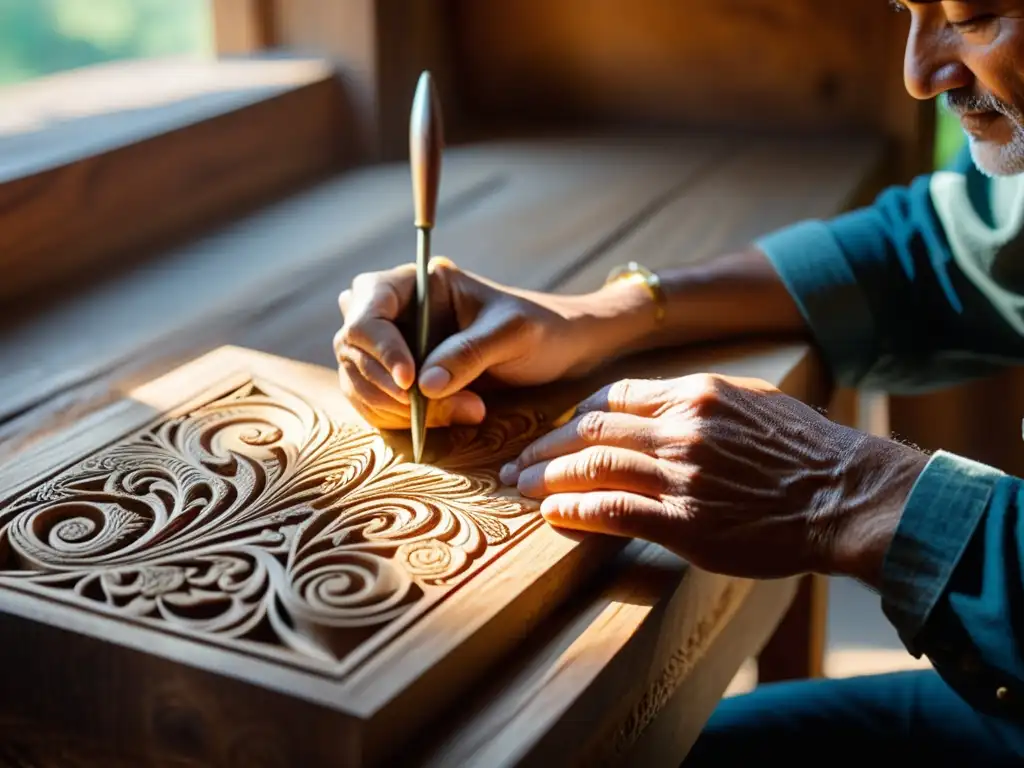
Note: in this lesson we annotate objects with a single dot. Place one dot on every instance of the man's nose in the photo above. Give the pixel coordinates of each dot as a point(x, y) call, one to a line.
point(931, 64)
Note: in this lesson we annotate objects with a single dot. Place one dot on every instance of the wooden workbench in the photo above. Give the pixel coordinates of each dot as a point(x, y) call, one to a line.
point(647, 650)
point(231, 203)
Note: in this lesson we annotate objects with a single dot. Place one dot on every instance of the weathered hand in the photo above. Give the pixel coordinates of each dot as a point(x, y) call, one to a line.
point(514, 337)
point(729, 473)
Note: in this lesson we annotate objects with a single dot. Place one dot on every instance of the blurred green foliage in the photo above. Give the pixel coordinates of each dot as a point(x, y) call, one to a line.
point(949, 137)
point(39, 37)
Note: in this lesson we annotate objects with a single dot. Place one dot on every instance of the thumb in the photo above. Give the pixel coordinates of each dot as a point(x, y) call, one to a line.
point(615, 513)
point(494, 338)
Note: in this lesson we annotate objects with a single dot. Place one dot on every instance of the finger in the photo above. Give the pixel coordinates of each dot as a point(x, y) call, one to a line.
point(641, 397)
point(376, 374)
point(384, 412)
point(466, 408)
point(379, 294)
point(598, 468)
point(610, 512)
point(366, 395)
point(618, 430)
point(370, 309)
point(495, 338)
point(382, 340)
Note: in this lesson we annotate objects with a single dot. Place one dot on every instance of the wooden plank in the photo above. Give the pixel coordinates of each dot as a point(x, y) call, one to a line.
point(565, 683)
point(235, 275)
point(759, 187)
point(684, 712)
point(798, 66)
point(796, 651)
point(243, 26)
point(379, 47)
point(557, 201)
point(98, 165)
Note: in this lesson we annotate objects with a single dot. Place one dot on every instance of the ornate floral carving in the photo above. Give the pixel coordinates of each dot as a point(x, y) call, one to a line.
point(257, 520)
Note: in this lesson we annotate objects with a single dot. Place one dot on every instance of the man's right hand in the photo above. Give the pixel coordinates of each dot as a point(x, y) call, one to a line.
point(511, 336)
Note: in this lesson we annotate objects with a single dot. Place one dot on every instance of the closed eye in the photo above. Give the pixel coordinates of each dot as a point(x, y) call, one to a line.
point(975, 22)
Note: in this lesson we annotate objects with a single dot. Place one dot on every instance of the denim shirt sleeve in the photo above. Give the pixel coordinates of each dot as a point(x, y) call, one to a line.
point(922, 289)
point(952, 582)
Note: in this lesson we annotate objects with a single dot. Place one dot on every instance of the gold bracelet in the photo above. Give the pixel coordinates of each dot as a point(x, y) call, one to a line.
point(635, 273)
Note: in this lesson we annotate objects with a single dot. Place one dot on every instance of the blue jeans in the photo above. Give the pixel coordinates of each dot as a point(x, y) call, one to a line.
point(902, 716)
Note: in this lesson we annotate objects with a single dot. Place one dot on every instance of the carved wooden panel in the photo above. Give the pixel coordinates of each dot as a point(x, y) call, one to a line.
point(236, 517)
point(258, 522)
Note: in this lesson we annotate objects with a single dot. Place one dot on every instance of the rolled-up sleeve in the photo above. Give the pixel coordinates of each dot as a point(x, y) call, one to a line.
point(953, 584)
point(941, 515)
point(922, 289)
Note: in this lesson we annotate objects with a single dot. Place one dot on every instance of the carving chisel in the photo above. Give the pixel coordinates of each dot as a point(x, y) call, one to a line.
point(425, 142)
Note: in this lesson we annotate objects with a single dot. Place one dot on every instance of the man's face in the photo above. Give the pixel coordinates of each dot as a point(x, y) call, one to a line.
point(971, 53)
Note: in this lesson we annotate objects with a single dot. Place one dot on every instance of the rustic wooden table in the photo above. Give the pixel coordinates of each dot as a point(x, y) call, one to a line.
point(629, 670)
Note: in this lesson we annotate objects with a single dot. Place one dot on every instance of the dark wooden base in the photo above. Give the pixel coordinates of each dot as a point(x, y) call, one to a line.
point(797, 649)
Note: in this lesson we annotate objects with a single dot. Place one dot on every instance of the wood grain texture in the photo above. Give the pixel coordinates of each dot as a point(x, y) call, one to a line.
point(755, 188)
point(91, 158)
point(797, 66)
point(558, 202)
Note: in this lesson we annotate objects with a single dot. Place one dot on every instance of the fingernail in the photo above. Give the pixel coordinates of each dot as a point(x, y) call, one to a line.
point(435, 379)
point(509, 474)
point(403, 375)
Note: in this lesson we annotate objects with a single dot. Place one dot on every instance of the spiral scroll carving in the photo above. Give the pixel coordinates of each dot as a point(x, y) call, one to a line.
point(257, 520)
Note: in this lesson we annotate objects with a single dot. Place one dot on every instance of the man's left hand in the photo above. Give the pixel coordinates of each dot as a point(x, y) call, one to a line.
point(729, 473)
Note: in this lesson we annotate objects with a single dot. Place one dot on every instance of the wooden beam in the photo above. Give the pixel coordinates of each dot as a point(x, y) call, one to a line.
point(101, 165)
point(799, 66)
point(379, 48)
point(243, 26)
point(796, 650)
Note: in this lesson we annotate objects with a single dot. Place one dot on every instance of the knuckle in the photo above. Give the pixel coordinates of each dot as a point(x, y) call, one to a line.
point(443, 265)
point(591, 427)
point(668, 437)
point(354, 334)
point(621, 391)
point(705, 382)
point(338, 342)
point(706, 389)
point(594, 465)
point(613, 507)
point(517, 323)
